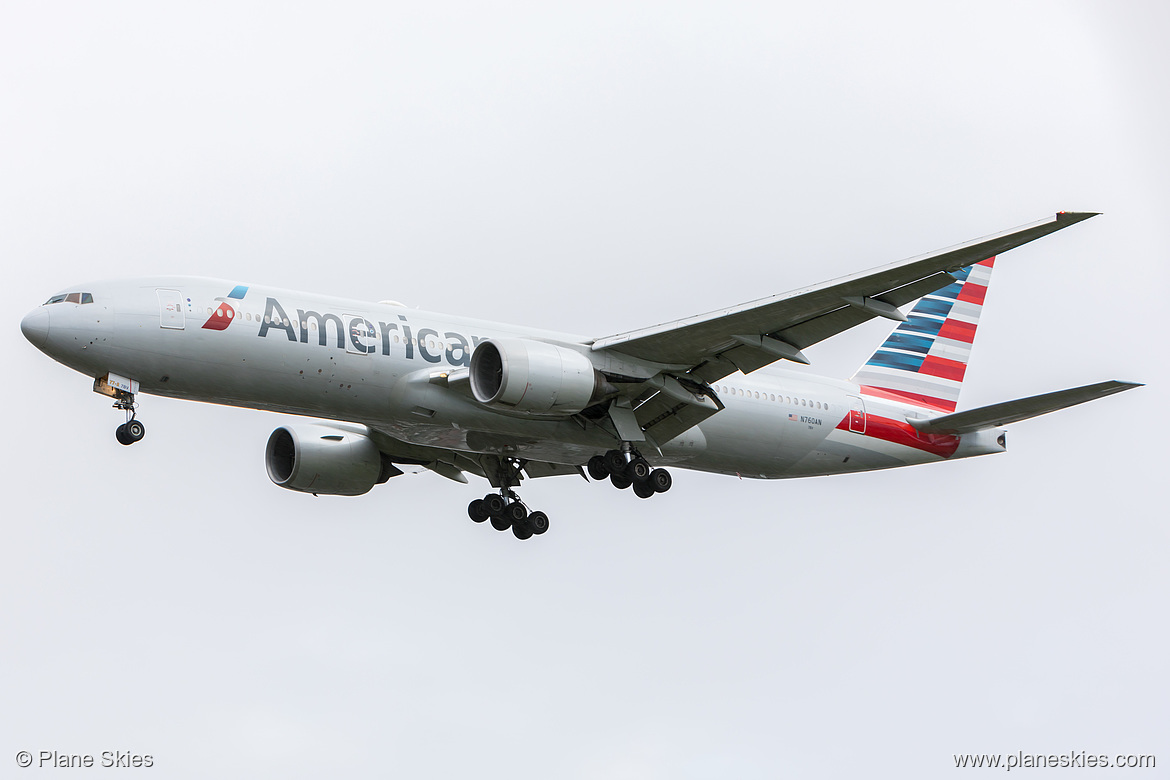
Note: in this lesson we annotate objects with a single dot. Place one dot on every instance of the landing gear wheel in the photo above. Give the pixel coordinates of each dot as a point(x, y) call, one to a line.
point(494, 504)
point(620, 481)
point(597, 468)
point(639, 469)
point(135, 430)
point(476, 511)
point(504, 508)
point(643, 489)
point(615, 461)
point(120, 435)
point(661, 480)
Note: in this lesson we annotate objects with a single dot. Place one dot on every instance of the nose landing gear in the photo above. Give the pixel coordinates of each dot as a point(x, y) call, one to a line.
point(625, 468)
point(132, 430)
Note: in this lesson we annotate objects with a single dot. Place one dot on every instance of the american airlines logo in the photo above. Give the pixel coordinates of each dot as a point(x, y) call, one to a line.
point(224, 313)
point(221, 317)
point(362, 336)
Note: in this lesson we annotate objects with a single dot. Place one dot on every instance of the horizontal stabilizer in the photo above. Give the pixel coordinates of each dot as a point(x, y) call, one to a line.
point(1021, 409)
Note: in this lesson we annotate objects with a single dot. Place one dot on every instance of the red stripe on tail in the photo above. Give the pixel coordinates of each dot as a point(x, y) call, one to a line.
point(957, 330)
point(941, 367)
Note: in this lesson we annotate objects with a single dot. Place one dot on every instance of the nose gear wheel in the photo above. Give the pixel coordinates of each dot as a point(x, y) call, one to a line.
point(132, 430)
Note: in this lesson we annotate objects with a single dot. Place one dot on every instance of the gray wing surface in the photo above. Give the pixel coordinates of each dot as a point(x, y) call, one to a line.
point(1021, 409)
point(752, 335)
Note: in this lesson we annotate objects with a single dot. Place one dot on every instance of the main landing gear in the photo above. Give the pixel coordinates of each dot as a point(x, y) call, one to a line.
point(505, 510)
point(132, 430)
point(627, 468)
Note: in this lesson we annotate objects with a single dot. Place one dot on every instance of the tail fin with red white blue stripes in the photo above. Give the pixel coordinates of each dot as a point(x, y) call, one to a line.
point(923, 360)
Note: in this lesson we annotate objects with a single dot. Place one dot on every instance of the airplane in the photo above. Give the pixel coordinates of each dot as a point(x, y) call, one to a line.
point(391, 386)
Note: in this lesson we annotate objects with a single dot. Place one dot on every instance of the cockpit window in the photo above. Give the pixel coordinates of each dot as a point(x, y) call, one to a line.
point(76, 297)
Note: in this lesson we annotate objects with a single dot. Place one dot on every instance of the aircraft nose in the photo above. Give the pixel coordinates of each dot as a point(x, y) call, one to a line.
point(35, 326)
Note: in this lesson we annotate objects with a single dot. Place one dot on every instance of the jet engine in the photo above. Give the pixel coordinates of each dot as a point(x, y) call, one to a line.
point(325, 460)
point(534, 378)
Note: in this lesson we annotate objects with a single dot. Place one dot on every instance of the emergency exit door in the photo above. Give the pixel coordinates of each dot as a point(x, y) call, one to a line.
point(856, 415)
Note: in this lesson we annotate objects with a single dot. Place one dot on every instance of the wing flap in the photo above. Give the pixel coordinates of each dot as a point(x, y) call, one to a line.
point(1021, 409)
point(664, 417)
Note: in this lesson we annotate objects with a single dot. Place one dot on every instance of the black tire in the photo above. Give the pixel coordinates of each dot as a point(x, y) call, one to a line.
point(476, 511)
point(135, 430)
point(597, 468)
point(494, 504)
point(516, 513)
point(120, 435)
point(615, 461)
point(522, 530)
point(500, 523)
point(538, 522)
point(643, 489)
point(661, 480)
point(639, 469)
point(620, 481)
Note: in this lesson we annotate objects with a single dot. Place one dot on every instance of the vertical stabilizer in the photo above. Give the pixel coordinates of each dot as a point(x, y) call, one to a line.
point(923, 360)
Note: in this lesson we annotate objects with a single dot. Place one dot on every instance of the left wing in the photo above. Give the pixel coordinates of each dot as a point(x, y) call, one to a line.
point(710, 346)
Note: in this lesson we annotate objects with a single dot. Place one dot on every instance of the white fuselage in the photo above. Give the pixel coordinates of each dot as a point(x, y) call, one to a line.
point(376, 364)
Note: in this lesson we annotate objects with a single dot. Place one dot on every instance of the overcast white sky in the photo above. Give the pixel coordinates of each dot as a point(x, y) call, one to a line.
point(589, 168)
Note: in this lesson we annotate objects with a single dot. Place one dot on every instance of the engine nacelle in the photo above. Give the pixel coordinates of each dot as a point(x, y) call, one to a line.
point(323, 460)
point(534, 378)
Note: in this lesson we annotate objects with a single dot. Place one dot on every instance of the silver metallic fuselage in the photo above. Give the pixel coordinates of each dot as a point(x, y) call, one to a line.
point(381, 365)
